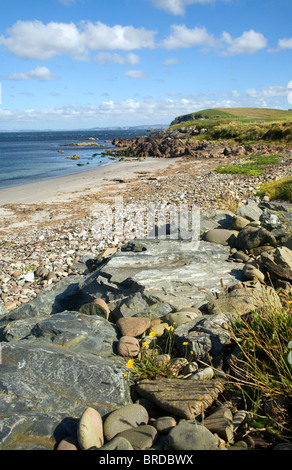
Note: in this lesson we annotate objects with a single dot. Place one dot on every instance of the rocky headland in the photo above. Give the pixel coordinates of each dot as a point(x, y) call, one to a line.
point(76, 313)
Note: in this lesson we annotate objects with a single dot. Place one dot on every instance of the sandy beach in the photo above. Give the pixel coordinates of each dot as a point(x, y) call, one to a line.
point(31, 205)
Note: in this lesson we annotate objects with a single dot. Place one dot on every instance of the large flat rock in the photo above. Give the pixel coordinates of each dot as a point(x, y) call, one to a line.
point(168, 272)
point(183, 398)
point(44, 383)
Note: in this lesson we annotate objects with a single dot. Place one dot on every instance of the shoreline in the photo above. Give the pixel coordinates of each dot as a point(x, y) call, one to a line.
point(51, 189)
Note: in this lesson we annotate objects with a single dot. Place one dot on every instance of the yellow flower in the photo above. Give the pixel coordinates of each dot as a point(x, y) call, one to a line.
point(130, 363)
point(126, 374)
point(152, 334)
point(170, 328)
point(191, 352)
point(185, 343)
point(289, 301)
point(145, 344)
point(174, 323)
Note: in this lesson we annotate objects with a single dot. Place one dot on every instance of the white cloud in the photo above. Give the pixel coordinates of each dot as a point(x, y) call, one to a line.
point(135, 74)
point(270, 96)
point(284, 44)
point(170, 61)
point(268, 92)
point(249, 42)
point(105, 58)
point(99, 36)
point(134, 111)
point(181, 36)
point(177, 7)
point(39, 73)
point(36, 40)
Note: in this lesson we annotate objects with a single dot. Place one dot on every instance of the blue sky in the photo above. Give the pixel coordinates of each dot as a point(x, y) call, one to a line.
point(71, 64)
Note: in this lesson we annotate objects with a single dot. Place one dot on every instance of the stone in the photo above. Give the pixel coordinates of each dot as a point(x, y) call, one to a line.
point(253, 237)
point(221, 236)
point(90, 430)
point(41, 272)
point(190, 368)
point(254, 295)
point(71, 330)
point(240, 256)
point(204, 374)
point(162, 359)
point(128, 346)
point(141, 438)
point(279, 263)
point(124, 280)
point(250, 211)
point(282, 446)
point(177, 364)
point(181, 317)
point(191, 435)
point(118, 443)
point(135, 246)
point(288, 243)
point(93, 308)
point(127, 417)
point(181, 398)
point(164, 424)
point(251, 271)
point(159, 330)
point(104, 305)
point(65, 295)
point(204, 335)
point(133, 326)
point(238, 222)
point(42, 383)
point(221, 423)
point(68, 443)
point(213, 219)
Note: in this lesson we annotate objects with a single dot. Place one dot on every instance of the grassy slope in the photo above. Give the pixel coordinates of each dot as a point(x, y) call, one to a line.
point(241, 114)
point(240, 125)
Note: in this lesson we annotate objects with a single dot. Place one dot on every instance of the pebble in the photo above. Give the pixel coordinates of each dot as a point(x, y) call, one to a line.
point(68, 443)
point(118, 443)
point(127, 417)
point(133, 326)
point(164, 424)
point(142, 437)
point(191, 435)
point(204, 374)
point(128, 346)
point(90, 430)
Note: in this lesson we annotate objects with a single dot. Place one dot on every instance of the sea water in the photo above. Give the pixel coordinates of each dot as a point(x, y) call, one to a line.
point(26, 157)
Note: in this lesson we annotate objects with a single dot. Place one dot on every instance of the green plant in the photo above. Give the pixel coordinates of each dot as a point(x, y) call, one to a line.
point(146, 365)
point(263, 372)
point(255, 165)
point(280, 189)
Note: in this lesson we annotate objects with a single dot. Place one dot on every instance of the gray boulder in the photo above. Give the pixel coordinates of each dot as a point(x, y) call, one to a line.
point(279, 263)
point(204, 335)
point(65, 295)
point(41, 380)
point(250, 211)
point(191, 435)
point(72, 330)
point(252, 237)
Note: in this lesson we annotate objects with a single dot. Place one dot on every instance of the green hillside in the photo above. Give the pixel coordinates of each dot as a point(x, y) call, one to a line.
point(241, 125)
